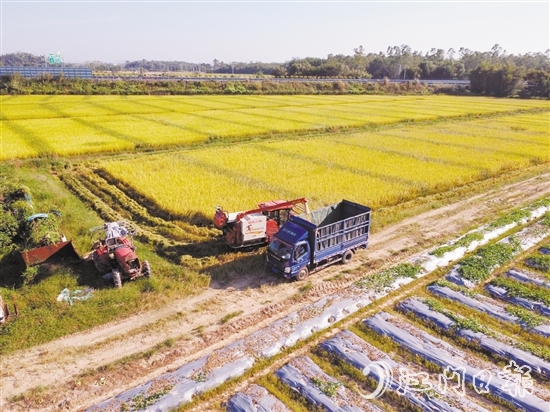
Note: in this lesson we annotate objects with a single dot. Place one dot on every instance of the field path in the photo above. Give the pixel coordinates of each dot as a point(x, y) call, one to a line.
point(187, 329)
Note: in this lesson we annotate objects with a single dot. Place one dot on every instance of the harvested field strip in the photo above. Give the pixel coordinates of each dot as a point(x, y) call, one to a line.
point(70, 125)
point(162, 241)
point(130, 209)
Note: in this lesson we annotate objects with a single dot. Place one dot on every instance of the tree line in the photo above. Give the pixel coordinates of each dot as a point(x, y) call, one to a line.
point(494, 72)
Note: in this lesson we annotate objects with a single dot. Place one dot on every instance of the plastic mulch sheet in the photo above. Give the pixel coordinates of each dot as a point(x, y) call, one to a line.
point(525, 277)
point(485, 377)
point(487, 305)
point(503, 350)
point(255, 399)
point(305, 377)
point(502, 294)
point(355, 351)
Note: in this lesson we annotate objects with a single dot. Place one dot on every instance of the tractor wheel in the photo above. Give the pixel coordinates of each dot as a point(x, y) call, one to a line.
point(346, 258)
point(117, 280)
point(146, 269)
point(302, 274)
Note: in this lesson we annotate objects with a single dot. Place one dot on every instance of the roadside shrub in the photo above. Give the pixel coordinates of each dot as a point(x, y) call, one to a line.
point(8, 229)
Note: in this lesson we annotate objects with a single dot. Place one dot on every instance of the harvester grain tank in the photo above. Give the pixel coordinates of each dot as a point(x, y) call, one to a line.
point(331, 234)
point(256, 227)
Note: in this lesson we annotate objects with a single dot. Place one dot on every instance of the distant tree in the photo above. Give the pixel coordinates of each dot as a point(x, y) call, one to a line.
point(21, 59)
point(538, 83)
point(498, 80)
point(279, 72)
point(379, 68)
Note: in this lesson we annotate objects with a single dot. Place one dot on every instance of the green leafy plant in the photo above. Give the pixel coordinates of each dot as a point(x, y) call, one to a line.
point(479, 266)
point(457, 288)
point(539, 262)
point(460, 321)
point(384, 279)
point(512, 217)
point(522, 290)
point(464, 241)
point(328, 388)
point(531, 319)
point(230, 316)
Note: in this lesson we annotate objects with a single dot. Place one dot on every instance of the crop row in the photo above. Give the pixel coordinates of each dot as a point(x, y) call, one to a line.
point(374, 168)
point(66, 126)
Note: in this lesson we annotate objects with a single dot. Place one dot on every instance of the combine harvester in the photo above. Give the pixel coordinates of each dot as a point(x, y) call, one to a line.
point(257, 227)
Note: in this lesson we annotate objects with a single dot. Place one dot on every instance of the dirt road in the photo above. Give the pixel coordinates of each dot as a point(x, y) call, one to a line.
point(187, 329)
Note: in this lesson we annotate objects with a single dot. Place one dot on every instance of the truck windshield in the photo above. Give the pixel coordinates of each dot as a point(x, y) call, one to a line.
point(280, 249)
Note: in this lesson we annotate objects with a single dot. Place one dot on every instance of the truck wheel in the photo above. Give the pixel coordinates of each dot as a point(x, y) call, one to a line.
point(117, 280)
point(346, 258)
point(302, 274)
point(146, 269)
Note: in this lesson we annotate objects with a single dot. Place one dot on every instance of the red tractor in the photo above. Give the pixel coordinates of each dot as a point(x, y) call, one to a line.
point(114, 255)
point(256, 227)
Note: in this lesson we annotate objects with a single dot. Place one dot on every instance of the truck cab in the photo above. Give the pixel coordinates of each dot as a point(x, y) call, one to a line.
point(289, 251)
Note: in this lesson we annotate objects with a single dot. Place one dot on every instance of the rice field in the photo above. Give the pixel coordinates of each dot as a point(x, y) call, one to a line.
point(46, 126)
point(378, 168)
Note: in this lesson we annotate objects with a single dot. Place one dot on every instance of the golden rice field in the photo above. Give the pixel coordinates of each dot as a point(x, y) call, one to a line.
point(377, 168)
point(37, 126)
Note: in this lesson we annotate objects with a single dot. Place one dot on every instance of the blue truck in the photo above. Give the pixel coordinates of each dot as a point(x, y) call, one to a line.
point(307, 243)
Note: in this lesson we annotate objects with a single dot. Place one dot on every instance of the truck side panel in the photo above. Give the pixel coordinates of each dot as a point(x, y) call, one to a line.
point(336, 228)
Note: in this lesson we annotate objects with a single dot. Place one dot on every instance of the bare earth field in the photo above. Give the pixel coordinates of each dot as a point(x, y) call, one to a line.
point(80, 370)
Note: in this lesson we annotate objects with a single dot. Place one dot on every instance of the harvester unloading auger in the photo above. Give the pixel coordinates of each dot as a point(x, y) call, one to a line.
point(256, 227)
point(114, 255)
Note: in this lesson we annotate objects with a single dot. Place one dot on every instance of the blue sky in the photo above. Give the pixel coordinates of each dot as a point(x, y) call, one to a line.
point(266, 31)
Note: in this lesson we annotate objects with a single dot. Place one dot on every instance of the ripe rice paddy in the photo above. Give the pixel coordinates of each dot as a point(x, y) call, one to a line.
point(46, 126)
point(378, 168)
